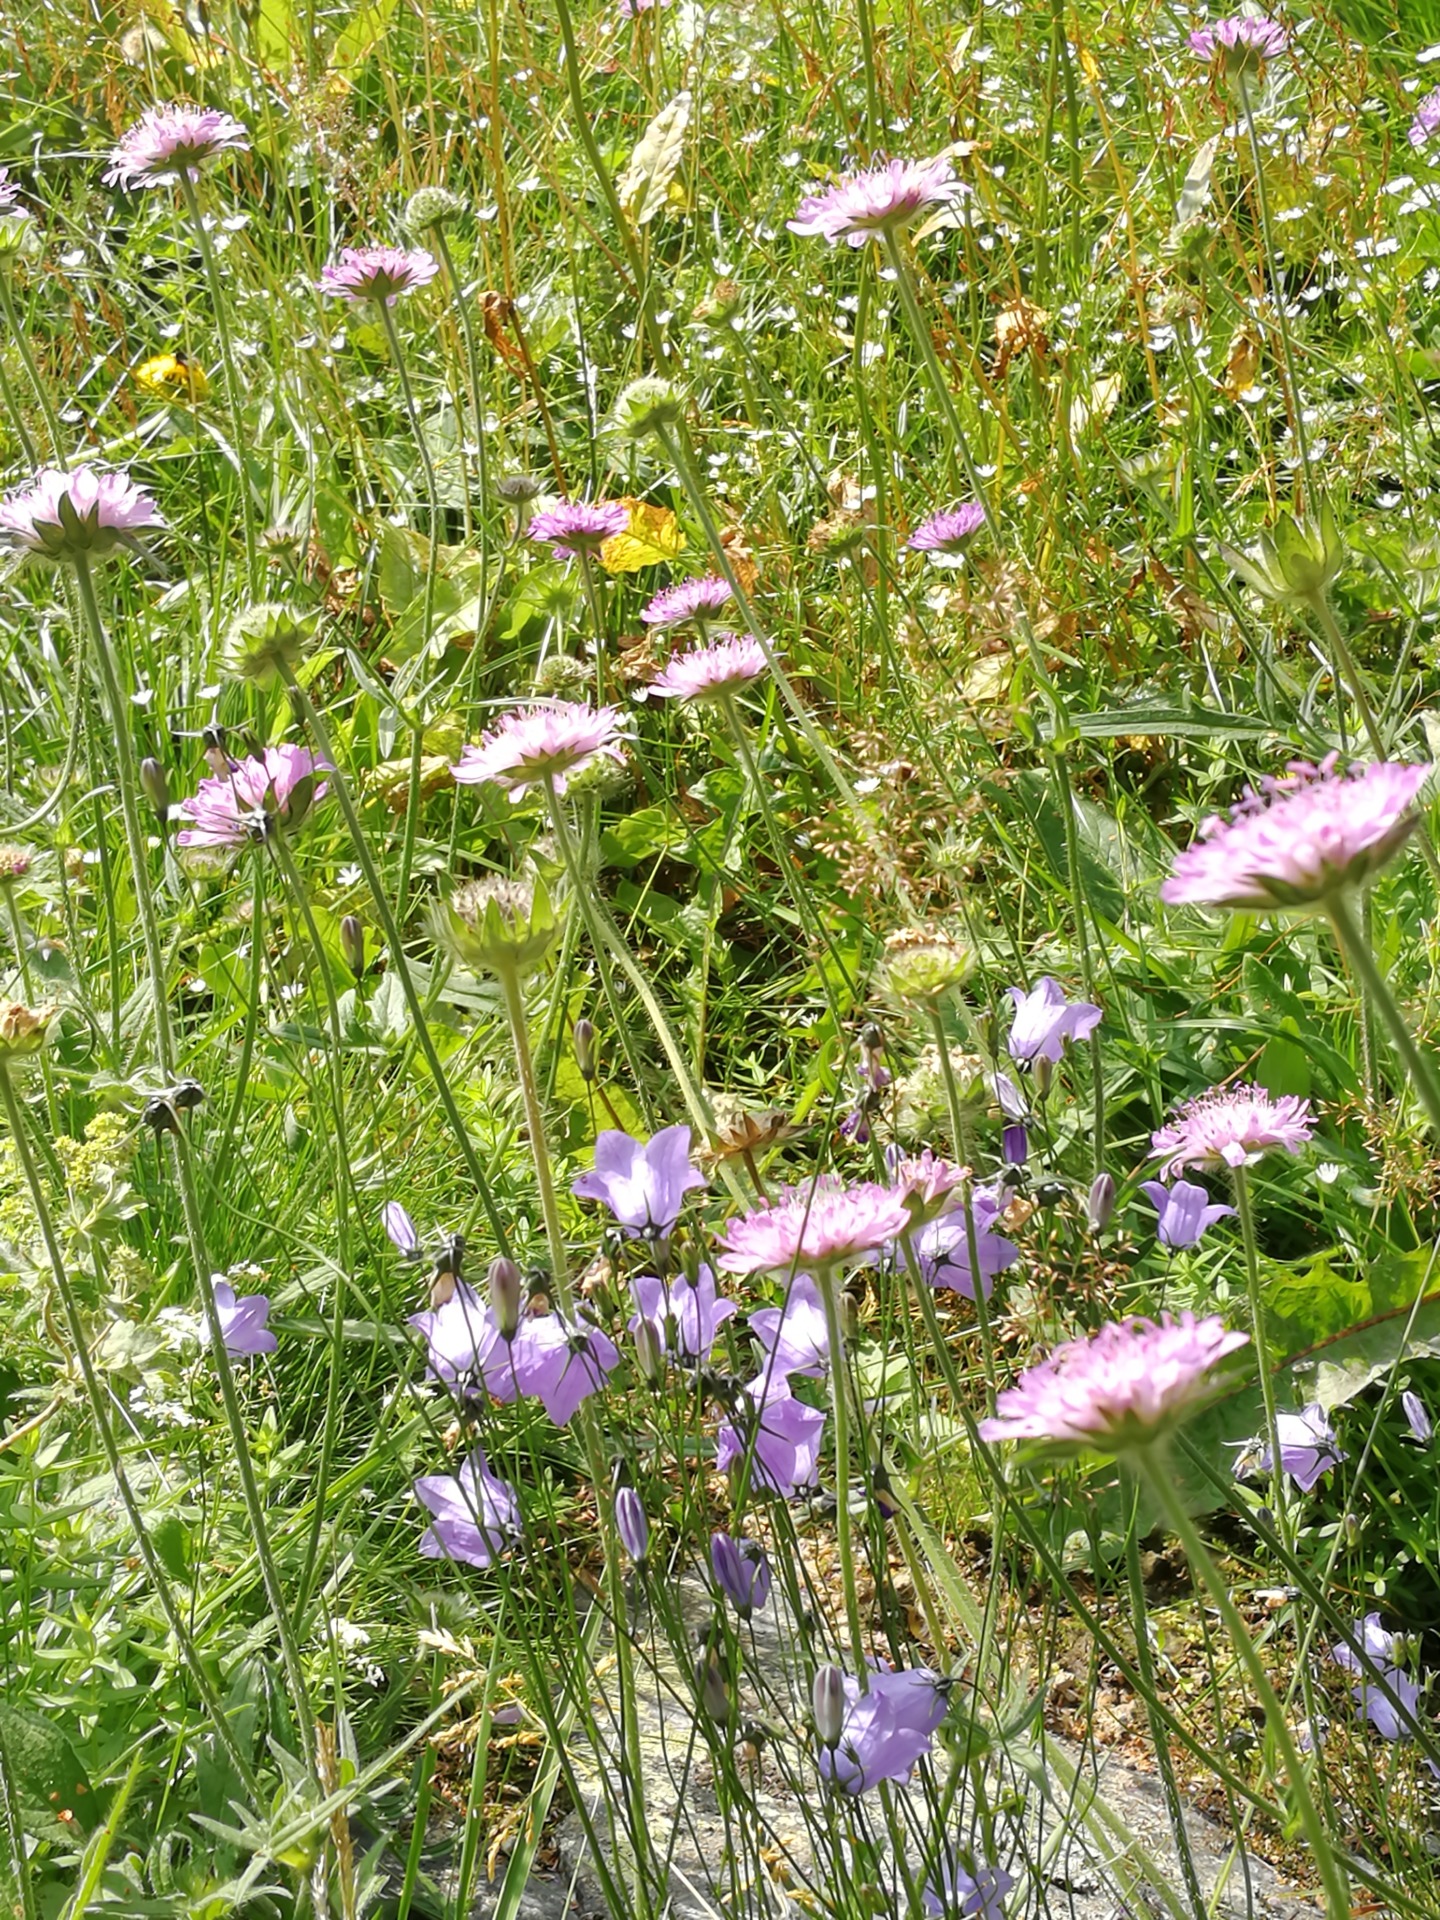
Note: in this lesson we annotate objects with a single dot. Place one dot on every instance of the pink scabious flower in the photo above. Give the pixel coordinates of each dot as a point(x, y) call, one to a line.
point(927, 1186)
point(1302, 837)
point(716, 672)
point(68, 516)
point(541, 745)
point(166, 142)
point(701, 601)
point(9, 193)
point(1427, 119)
point(1243, 39)
point(578, 526)
point(253, 798)
point(864, 206)
point(377, 273)
point(813, 1228)
point(1231, 1127)
point(946, 535)
point(1117, 1389)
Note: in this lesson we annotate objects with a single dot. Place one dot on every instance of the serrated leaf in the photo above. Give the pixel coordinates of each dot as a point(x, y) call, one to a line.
point(56, 1799)
point(644, 185)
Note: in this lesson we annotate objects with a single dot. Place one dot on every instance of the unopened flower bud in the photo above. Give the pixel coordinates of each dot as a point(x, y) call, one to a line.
point(827, 1703)
point(850, 1316)
point(711, 1685)
point(495, 925)
point(560, 676)
point(922, 967)
point(155, 787)
point(267, 639)
point(22, 1030)
point(631, 1524)
point(1296, 559)
point(649, 1350)
point(1015, 1145)
point(1351, 1524)
point(15, 863)
point(352, 945)
point(648, 405)
point(428, 208)
point(584, 1042)
point(506, 1295)
point(1100, 1206)
point(1044, 1076)
point(741, 1572)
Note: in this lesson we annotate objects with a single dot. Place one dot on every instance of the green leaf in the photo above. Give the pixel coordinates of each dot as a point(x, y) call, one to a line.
point(1180, 723)
point(48, 1776)
point(360, 35)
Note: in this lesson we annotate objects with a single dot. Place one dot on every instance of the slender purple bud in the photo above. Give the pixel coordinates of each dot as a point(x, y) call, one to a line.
point(1421, 1425)
point(352, 944)
point(827, 1701)
point(584, 1042)
point(631, 1525)
point(1044, 1074)
point(156, 788)
point(741, 1571)
point(506, 1295)
point(649, 1350)
point(1015, 1145)
point(1101, 1204)
point(400, 1228)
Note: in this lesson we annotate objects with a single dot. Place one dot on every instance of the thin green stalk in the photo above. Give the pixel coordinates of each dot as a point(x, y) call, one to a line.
point(117, 713)
point(1152, 1465)
point(32, 372)
point(343, 1180)
point(604, 935)
point(1376, 989)
point(625, 233)
point(511, 993)
point(1080, 906)
point(15, 1880)
point(1277, 290)
point(1245, 1210)
point(840, 1406)
point(10, 406)
point(1159, 1732)
point(340, 787)
point(682, 458)
point(95, 1394)
point(597, 620)
point(432, 564)
point(1347, 672)
point(957, 1124)
point(233, 385)
point(226, 1142)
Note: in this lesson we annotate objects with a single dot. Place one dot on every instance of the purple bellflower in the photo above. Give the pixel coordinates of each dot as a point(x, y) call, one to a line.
point(1045, 1020)
point(1185, 1211)
point(795, 1337)
point(689, 1318)
point(1308, 1447)
point(644, 1187)
point(474, 1516)
point(885, 1730)
point(242, 1322)
point(741, 1572)
point(786, 1436)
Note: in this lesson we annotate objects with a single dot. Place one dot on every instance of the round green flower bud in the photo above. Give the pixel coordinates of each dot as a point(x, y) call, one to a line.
point(921, 967)
point(431, 207)
point(22, 1030)
point(647, 406)
point(267, 637)
point(496, 925)
point(560, 676)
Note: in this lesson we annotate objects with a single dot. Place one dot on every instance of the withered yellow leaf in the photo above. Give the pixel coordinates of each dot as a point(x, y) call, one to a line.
point(652, 538)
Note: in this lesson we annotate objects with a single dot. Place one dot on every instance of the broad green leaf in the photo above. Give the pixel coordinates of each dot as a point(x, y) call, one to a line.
point(360, 36)
point(56, 1800)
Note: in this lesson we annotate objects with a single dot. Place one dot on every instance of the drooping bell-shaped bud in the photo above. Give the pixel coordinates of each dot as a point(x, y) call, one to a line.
point(827, 1703)
point(155, 787)
point(507, 1295)
point(1100, 1206)
point(584, 1042)
point(352, 945)
point(632, 1525)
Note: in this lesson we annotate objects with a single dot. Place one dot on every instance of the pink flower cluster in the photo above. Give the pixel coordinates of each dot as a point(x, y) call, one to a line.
point(814, 1228)
point(884, 199)
point(1303, 836)
point(252, 798)
point(1120, 1388)
point(67, 516)
point(541, 745)
point(1230, 1127)
point(168, 142)
point(363, 274)
point(716, 672)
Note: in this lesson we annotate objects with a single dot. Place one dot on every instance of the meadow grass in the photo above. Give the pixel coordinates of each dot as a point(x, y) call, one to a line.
point(1166, 325)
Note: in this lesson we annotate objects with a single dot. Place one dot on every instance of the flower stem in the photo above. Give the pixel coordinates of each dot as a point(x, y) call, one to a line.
point(341, 1162)
point(339, 786)
point(682, 458)
point(233, 386)
point(1277, 291)
point(977, 1279)
point(1246, 1212)
point(127, 781)
point(1374, 985)
point(514, 998)
point(606, 936)
point(32, 371)
point(427, 616)
point(94, 1393)
point(1154, 1469)
point(840, 1405)
point(597, 621)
